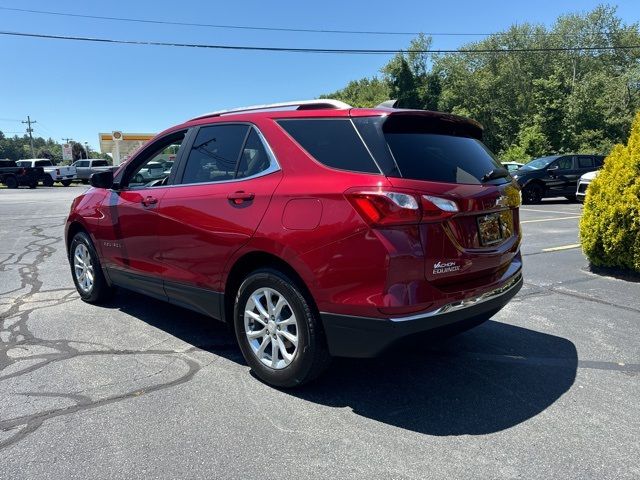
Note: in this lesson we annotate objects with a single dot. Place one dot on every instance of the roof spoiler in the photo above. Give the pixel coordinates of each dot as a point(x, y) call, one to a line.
point(388, 104)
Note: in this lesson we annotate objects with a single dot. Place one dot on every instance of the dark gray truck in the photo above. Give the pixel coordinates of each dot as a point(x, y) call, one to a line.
point(87, 167)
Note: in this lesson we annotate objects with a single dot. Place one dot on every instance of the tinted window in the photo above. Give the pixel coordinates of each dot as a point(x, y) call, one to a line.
point(82, 163)
point(599, 161)
point(215, 152)
point(100, 163)
point(585, 162)
point(333, 142)
point(254, 158)
point(43, 163)
point(564, 163)
point(441, 158)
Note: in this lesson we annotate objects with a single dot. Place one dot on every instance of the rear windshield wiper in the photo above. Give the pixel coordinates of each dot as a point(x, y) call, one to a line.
point(495, 173)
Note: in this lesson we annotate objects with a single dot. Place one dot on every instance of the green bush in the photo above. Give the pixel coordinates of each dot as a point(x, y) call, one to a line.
point(610, 224)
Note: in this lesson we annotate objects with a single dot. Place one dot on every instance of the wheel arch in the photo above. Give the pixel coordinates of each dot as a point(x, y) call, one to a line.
point(252, 261)
point(74, 228)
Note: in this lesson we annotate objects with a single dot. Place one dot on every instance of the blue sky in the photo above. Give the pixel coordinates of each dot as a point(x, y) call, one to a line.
point(76, 89)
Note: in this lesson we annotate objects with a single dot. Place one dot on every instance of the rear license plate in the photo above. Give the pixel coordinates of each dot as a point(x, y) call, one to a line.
point(495, 227)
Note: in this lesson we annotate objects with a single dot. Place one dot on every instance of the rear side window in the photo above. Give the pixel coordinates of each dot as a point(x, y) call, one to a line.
point(254, 158)
point(43, 163)
point(334, 142)
point(100, 163)
point(585, 162)
point(215, 153)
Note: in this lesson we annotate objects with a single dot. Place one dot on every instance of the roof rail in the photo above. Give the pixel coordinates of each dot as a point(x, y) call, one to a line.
point(301, 104)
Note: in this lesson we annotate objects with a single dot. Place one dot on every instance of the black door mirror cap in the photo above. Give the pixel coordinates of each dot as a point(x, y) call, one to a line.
point(102, 179)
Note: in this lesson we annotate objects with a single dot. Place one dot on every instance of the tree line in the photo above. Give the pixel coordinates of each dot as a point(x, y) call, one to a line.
point(530, 103)
point(17, 147)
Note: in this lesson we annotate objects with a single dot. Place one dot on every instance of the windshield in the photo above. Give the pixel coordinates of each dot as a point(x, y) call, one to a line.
point(538, 163)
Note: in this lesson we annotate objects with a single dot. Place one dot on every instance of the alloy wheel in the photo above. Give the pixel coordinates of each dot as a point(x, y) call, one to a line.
point(83, 267)
point(271, 328)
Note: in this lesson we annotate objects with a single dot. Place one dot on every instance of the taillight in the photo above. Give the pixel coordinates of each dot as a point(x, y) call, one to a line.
point(384, 207)
point(437, 208)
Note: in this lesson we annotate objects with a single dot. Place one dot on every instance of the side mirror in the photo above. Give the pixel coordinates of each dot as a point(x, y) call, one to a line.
point(102, 179)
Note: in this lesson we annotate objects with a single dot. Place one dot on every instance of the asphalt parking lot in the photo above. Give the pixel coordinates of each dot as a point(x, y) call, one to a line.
point(548, 388)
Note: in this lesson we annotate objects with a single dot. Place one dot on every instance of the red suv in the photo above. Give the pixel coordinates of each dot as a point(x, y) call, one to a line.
point(316, 229)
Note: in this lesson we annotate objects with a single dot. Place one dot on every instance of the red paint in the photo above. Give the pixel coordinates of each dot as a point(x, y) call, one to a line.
point(307, 215)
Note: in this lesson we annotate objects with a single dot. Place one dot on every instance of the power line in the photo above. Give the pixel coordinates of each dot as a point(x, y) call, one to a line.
point(284, 29)
point(347, 51)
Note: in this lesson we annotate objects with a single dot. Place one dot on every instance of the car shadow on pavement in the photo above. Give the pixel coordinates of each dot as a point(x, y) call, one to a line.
point(488, 379)
point(485, 380)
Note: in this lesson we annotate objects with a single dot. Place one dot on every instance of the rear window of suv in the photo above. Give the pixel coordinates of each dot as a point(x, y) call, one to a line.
point(333, 142)
point(429, 148)
point(440, 158)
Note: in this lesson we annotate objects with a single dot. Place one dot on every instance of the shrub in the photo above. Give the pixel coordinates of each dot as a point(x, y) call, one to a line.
point(610, 224)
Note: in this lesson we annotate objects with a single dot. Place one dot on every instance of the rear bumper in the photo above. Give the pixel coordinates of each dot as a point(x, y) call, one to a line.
point(350, 336)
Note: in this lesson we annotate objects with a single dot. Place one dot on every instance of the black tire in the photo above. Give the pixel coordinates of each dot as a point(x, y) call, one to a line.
point(571, 198)
point(33, 184)
point(47, 181)
point(101, 291)
point(11, 182)
point(312, 355)
point(532, 193)
point(65, 183)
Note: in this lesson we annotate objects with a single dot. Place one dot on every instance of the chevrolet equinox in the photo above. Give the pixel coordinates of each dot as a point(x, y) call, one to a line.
point(315, 229)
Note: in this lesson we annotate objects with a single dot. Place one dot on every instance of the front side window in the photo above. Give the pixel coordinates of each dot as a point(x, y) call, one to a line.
point(564, 163)
point(151, 171)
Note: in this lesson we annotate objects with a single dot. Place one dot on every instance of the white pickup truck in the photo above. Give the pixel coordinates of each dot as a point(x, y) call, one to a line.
point(52, 172)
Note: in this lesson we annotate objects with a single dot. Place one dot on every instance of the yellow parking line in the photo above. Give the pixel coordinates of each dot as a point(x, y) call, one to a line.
point(550, 219)
point(563, 247)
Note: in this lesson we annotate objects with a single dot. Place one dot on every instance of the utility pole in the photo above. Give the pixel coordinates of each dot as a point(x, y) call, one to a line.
point(30, 132)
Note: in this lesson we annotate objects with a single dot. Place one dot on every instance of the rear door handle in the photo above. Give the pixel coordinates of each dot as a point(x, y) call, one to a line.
point(149, 200)
point(240, 197)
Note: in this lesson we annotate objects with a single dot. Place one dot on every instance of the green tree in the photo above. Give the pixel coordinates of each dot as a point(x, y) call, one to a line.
point(530, 103)
point(364, 93)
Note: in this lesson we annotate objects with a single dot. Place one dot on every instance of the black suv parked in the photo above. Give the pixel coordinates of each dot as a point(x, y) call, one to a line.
point(554, 176)
point(13, 175)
